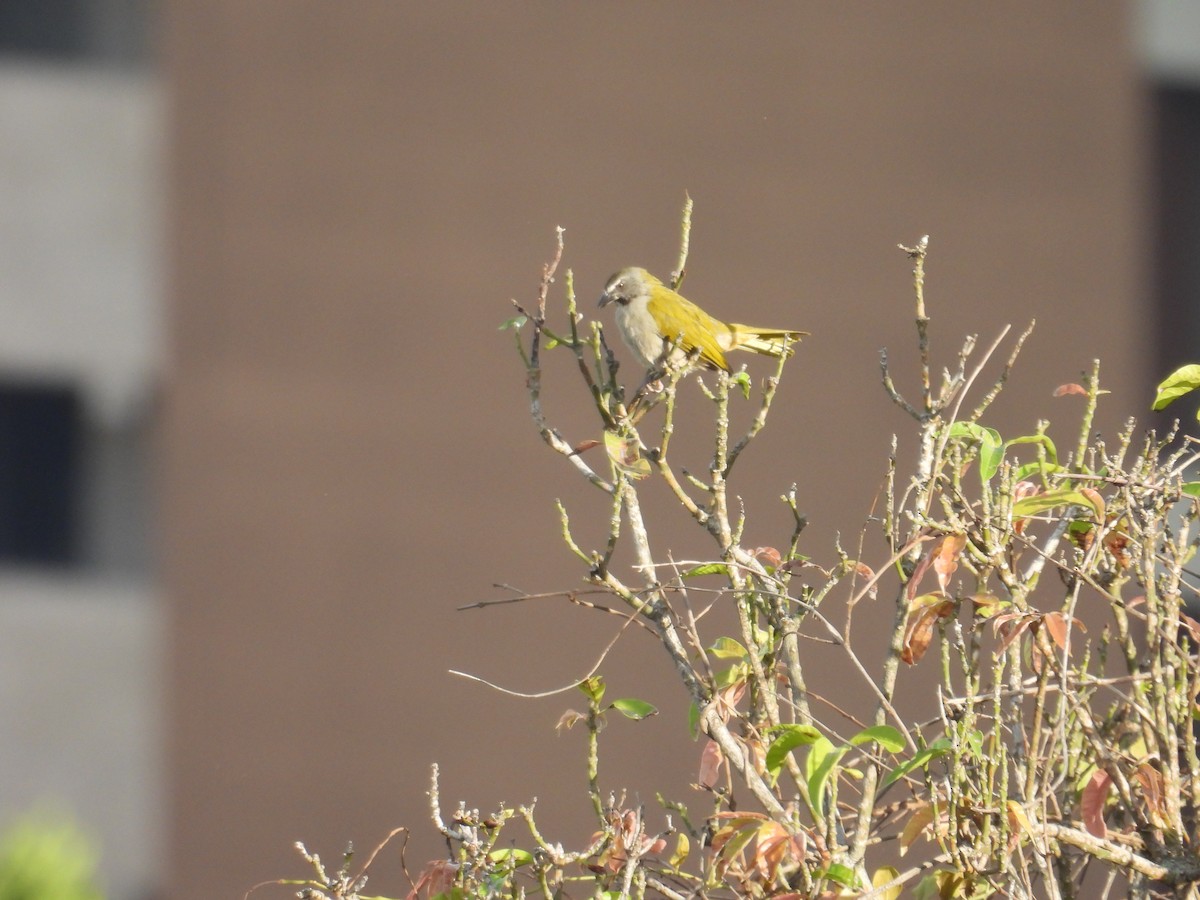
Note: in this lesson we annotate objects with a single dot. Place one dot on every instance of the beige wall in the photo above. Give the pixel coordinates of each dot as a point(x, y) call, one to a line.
point(359, 189)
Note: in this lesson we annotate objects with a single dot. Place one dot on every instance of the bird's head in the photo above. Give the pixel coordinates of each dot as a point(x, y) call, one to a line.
point(627, 286)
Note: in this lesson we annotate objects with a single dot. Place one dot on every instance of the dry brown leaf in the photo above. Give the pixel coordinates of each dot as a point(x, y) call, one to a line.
point(568, 720)
point(918, 632)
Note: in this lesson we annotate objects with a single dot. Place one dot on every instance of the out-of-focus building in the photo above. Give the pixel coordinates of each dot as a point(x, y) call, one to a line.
point(81, 343)
point(232, 545)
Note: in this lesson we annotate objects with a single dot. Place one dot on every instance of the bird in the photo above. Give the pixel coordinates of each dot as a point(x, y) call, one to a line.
point(652, 317)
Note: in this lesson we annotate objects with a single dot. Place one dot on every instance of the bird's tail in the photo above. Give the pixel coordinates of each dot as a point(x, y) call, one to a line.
point(767, 341)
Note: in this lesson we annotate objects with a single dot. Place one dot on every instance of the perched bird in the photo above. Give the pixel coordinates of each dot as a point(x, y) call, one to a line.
point(651, 316)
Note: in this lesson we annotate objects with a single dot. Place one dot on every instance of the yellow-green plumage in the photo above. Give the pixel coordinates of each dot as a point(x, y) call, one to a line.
point(652, 317)
point(680, 320)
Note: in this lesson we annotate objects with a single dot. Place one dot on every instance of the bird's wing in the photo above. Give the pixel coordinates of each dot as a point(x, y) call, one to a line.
point(683, 322)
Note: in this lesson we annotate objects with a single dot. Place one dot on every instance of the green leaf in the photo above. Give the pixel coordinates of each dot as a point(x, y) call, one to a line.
point(554, 340)
point(842, 874)
point(1039, 503)
point(632, 708)
point(694, 720)
point(966, 429)
point(1182, 381)
point(920, 760)
point(738, 842)
point(818, 766)
point(885, 736)
point(991, 446)
point(731, 676)
point(790, 737)
point(728, 648)
point(1192, 489)
point(974, 741)
point(991, 449)
point(593, 688)
point(514, 322)
point(707, 569)
point(1022, 473)
point(991, 454)
point(517, 857)
point(1051, 452)
point(742, 380)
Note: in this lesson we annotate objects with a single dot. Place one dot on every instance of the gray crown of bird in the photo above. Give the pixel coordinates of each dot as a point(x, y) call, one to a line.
point(651, 317)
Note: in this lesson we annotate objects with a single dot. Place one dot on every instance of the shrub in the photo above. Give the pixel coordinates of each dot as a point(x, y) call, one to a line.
point(1061, 760)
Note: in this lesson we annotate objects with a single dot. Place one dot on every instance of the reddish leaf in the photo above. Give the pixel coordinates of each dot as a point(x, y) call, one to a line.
point(1021, 490)
point(1082, 535)
point(914, 583)
point(1010, 627)
point(1192, 626)
point(949, 548)
point(768, 556)
point(1056, 627)
point(1064, 389)
point(1096, 500)
point(1151, 781)
point(1117, 543)
point(730, 839)
point(770, 849)
point(917, 823)
point(1091, 803)
point(758, 753)
point(795, 565)
point(436, 878)
point(728, 698)
point(629, 839)
point(918, 632)
point(989, 605)
point(866, 572)
point(711, 759)
point(583, 446)
point(1018, 824)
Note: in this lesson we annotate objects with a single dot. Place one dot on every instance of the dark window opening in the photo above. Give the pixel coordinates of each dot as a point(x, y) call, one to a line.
point(1176, 253)
point(41, 434)
point(84, 30)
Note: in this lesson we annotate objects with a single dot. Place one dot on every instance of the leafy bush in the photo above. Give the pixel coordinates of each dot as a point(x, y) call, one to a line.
point(1061, 760)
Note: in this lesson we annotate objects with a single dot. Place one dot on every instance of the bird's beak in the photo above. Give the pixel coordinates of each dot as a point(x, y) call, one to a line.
point(605, 299)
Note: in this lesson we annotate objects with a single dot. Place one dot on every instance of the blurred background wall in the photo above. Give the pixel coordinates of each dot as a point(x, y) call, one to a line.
point(234, 544)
